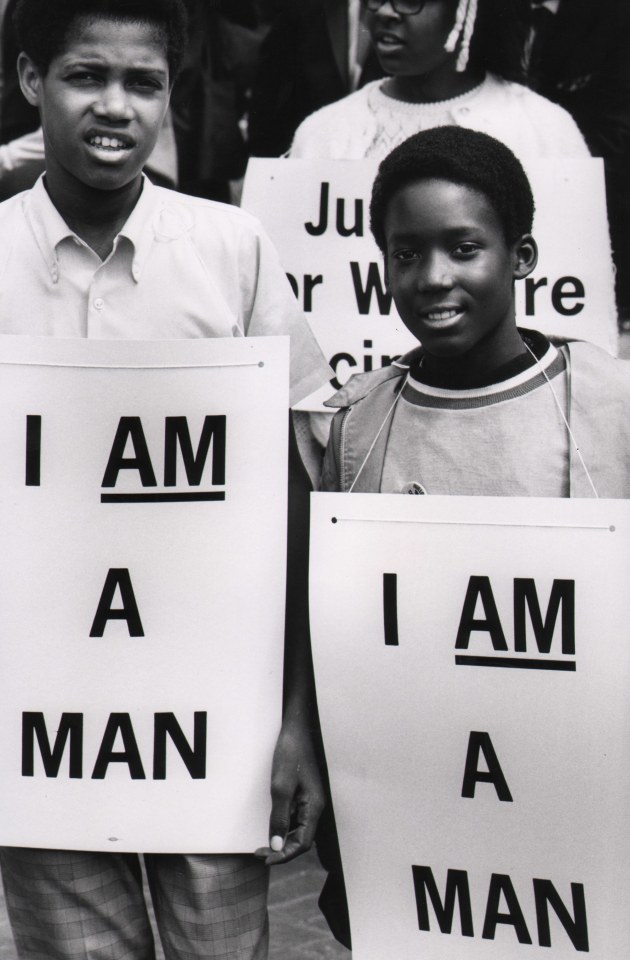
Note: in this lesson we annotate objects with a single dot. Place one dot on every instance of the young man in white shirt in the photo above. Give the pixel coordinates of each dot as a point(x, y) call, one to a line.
point(95, 250)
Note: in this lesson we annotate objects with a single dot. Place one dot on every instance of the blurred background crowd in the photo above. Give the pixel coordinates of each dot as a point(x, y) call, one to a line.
point(255, 69)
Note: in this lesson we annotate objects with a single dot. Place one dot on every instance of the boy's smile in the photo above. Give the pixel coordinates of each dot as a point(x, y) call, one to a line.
point(102, 103)
point(451, 272)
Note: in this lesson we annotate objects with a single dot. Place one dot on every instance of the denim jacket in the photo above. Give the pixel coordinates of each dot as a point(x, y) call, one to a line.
point(598, 389)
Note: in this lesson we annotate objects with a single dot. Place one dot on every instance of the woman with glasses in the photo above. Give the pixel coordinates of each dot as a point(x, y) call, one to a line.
point(448, 62)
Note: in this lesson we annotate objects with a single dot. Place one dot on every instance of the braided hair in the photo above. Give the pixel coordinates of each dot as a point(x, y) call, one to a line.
point(490, 36)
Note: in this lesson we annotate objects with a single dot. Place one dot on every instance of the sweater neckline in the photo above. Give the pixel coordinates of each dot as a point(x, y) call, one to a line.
point(383, 99)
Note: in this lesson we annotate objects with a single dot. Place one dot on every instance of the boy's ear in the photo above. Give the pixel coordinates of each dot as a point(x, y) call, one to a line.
point(30, 79)
point(526, 253)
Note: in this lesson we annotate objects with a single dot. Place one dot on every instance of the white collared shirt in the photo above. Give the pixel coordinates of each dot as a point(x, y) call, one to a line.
point(181, 267)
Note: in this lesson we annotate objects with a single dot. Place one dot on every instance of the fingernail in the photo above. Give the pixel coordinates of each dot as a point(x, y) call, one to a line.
point(276, 844)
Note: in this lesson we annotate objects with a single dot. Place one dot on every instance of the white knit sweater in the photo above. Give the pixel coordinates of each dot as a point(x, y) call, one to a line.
point(369, 123)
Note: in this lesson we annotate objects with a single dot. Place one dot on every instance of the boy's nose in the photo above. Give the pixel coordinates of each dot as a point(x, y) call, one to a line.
point(436, 273)
point(113, 103)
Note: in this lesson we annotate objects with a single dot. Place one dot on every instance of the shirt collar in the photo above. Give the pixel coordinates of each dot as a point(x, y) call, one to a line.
point(50, 229)
point(141, 225)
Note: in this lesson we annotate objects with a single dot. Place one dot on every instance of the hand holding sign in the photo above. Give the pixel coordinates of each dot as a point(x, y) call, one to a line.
point(297, 795)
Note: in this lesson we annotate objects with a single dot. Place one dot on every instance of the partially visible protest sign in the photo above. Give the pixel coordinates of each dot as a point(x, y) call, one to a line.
point(317, 214)
point(472, 666)
point(142, 580)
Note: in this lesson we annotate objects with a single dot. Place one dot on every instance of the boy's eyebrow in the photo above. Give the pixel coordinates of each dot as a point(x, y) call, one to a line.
point(93, 60)
point(409, 235)
point(148, 69)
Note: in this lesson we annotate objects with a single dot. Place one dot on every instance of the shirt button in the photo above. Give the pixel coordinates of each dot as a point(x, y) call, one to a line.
point(99, 303)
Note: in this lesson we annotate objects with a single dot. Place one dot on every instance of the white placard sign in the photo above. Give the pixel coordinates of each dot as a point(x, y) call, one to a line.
point(143, 518)
point(473, 667)
point(317, 214)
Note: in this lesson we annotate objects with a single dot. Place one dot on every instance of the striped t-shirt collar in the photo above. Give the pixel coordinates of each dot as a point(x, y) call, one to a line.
point(503, 386)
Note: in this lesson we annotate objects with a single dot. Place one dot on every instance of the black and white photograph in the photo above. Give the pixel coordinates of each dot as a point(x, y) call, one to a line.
point(257, 256)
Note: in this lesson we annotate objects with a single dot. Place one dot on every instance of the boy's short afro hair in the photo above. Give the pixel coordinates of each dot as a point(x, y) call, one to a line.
point(43, 26)
point(462, 156)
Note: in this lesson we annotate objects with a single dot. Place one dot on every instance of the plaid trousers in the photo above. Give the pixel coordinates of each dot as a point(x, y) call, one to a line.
point(75, 905)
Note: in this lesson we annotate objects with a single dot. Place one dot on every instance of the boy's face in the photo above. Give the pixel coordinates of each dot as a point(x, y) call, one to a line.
point(450, 268)
point(102, 102)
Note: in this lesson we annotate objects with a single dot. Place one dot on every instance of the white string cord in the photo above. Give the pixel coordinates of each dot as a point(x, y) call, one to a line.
point(607, 528)
point(380, 430)
point(129, 366)
point(556, 400)
point(566, 422)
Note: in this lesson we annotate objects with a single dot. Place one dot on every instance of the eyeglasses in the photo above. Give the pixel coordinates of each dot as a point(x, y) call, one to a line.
point(404, 8)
